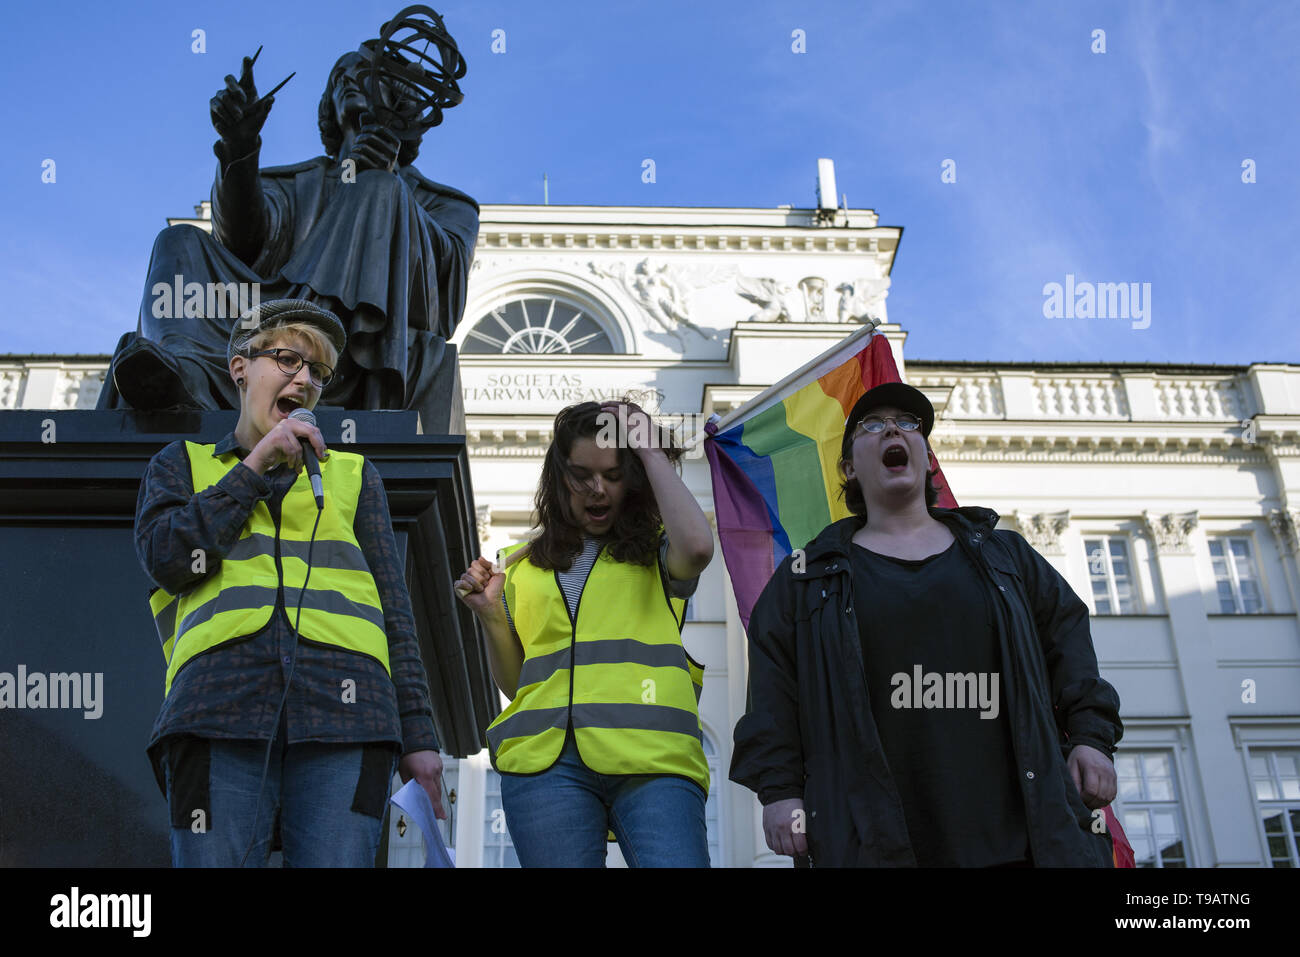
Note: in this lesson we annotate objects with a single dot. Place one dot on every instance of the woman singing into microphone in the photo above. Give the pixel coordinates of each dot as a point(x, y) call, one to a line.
point(293, 675)
point(584, 634)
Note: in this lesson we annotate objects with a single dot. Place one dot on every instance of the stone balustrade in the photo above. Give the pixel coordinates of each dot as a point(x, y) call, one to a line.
point(972, 393)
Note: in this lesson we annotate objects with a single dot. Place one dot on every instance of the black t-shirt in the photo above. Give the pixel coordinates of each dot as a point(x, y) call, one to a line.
point(933, 668)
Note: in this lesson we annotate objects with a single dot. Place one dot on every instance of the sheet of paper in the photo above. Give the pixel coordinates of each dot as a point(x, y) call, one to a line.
point(413, 800)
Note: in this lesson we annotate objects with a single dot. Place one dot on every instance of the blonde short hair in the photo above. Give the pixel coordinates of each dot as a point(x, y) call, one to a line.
point(319, 342)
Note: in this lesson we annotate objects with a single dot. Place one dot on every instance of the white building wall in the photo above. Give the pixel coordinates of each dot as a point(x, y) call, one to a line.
point(1168, 458)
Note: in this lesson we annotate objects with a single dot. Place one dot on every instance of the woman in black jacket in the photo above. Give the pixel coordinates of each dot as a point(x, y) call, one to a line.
point(923, 689)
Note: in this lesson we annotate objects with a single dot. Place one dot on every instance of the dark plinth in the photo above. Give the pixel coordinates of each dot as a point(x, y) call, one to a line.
point(80, 791)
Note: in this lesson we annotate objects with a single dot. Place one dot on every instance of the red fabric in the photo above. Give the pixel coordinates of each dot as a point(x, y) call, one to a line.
point(1123, 855)
point(877, 362)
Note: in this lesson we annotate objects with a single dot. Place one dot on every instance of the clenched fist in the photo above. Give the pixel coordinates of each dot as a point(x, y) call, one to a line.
point(480, 588)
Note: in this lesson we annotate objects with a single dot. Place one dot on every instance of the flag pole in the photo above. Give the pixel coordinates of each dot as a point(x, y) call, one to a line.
point(868, 329)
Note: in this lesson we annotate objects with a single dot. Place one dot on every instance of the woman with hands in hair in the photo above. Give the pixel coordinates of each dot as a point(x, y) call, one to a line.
point(583, 628)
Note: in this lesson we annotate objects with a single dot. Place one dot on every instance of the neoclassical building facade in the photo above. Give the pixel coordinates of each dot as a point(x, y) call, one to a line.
point(1168, 496)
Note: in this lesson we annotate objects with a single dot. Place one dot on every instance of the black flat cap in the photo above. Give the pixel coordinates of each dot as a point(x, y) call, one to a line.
point(900, 395)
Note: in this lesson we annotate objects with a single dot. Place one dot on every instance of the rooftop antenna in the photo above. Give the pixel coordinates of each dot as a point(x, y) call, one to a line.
point(825, 192)
point(546, 190)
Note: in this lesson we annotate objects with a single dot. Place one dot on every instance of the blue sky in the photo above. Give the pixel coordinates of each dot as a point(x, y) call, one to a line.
point(1122, 166)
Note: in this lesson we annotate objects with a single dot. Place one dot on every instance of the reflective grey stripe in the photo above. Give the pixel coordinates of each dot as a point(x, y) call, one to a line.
point(540, 668)
point(239, 597)
point(641, 717)
point(336, 603)
point(165, 620)
point(607, 651)
point(524, 724)
point(613, 651)
point(248, 597)
point(326, 553)
point(251, 546)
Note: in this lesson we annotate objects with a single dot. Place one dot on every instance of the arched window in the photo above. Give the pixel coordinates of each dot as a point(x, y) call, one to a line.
point(545, 322)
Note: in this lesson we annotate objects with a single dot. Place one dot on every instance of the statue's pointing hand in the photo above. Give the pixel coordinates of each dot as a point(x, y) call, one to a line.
point(237, 115)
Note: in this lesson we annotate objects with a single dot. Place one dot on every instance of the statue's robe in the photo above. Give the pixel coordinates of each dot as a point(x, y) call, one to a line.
point(390, 253)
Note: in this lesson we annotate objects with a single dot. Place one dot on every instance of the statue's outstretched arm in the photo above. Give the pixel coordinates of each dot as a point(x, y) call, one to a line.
point(238, 207)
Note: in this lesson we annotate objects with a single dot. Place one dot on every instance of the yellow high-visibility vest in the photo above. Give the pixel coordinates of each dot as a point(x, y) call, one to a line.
point(617, 671)
point(341, 606)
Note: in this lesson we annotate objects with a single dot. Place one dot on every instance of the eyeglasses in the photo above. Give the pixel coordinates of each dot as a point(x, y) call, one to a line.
point(876, 423)
point(290, 362)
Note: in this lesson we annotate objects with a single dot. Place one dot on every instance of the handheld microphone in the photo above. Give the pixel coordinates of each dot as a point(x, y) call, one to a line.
point(309, 458)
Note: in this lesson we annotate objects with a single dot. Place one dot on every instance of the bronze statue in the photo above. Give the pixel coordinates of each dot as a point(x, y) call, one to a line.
point(360, 231)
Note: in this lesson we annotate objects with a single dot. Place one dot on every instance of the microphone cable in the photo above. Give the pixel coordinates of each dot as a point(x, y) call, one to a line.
point(293, 663)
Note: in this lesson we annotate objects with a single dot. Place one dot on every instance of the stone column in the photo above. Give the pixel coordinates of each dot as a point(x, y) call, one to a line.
point(1233, 838)
point(1276, 390)
point(1044, 531)
point(1285, 523)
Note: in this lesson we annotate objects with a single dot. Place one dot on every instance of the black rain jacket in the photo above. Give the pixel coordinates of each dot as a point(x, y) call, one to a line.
point(808, 733)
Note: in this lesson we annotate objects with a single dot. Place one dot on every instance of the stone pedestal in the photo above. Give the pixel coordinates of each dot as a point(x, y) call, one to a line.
point(76, 787)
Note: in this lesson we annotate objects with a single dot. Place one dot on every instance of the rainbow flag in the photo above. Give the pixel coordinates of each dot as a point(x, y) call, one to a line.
point(775, 461)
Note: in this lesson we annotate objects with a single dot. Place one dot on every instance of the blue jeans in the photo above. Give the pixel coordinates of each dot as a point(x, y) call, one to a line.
point(316, 789)
point(560, 817)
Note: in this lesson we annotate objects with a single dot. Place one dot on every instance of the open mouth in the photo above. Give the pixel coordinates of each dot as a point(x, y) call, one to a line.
point(597, 513)
point(287, 403)
point(894, 458)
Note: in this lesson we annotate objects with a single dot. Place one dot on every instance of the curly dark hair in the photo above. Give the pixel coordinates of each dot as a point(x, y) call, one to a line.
point(331, 134)
point(634, 537)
